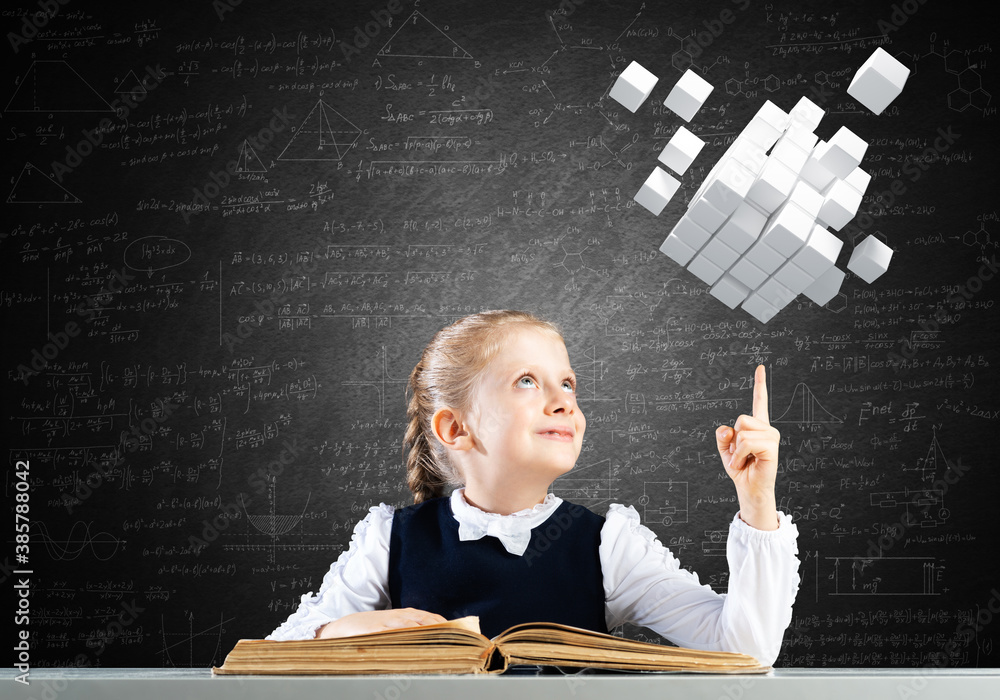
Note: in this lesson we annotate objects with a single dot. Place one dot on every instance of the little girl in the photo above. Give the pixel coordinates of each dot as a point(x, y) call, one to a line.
point(493, 411)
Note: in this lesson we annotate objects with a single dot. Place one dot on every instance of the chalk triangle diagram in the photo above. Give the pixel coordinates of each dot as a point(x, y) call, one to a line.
point(130, 85)
point(809, 409)
point(53, 86)
point(35, 187)
point(248, 162)
point(325, 134)
point(418, 37)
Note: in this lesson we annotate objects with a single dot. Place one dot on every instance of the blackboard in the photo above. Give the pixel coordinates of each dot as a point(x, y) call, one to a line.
point(230, 229)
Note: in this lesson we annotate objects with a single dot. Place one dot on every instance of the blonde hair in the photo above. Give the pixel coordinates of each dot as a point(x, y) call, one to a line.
point(448, 375)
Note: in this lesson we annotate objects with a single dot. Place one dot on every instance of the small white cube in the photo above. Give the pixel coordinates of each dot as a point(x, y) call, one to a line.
point(729, 290)
point(677, 250)
point(839, 206)
point(633, 86)
point(764, 257)
point(681, 150)
point(813, 172)
point(790, 154)
point(807, 113)
point(772, 186)
point(775, 293)
point(705, 215)
point(748, 273)
point(787, 230)
point(756, 306)
point(748, 154)
point(657, 190)
point(688, 95)
point(773, 115)
point(761, 132)
point(801, 136)
point(793, 277)
point(826, 286)
point(704, 269)
point(819, 253)
point(858, 180)
point(690, 233)
point(729, 187)
point(742, 228)
point(870, 259)
point(719, 253)
point(806, 198)
point(878, 81)
point(843, 152)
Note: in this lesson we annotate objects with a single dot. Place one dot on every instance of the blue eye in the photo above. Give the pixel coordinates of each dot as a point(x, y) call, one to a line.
point(570, 382)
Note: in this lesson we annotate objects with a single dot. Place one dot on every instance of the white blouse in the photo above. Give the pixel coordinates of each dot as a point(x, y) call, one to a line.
point(643, 583)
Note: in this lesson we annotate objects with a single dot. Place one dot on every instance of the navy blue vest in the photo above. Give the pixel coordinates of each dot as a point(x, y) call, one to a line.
point(557, 579)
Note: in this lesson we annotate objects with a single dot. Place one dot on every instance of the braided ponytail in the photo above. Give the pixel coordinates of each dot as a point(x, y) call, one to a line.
point(447, 375)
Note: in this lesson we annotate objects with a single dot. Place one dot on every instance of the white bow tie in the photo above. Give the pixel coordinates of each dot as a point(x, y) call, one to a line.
point(513, 533)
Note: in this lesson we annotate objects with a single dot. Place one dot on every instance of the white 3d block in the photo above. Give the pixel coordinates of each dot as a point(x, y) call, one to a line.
point(839, 206)
point(719, 253)
point(704, 269)
point(742, 228)
point(633, 86)
point(775, 293)
point(729, 290)
point(858, 180)
point(657, 190)
point(790, 154)
point(690, 233)
point(806, 113)
point(677, 250)
point(870, 259)
point(844, 152)
point(793, 277)
point(787, 230)
point(757, 307)
point(764, 257)
point(748, 154)
point(773, 115)
point(772, 186)
point(819, 253)
point(801, 137)
point(748, 273)
point(825, 287)
point(814, 173)
point(705, 215)
point(681, 150)
point(878, 81)
point(806, 198)
point(688, 95)
point(729, 187)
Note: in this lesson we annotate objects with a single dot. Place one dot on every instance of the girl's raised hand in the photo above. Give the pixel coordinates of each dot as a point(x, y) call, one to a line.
point(376, 621)
point(749, 452)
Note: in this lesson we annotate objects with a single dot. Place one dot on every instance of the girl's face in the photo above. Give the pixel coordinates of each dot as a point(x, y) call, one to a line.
point(528, 390)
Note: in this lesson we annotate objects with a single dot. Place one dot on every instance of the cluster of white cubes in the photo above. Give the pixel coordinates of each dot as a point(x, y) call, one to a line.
point(759, 230)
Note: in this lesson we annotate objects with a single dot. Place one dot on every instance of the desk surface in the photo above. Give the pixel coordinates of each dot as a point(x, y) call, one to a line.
point(779, 684)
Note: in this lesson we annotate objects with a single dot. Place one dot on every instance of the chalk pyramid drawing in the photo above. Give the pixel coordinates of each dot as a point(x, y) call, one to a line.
point(248, 161)
point(928, 464)
point(53, 86)
point(325, 134)
point(805, 409)
point(130, 84)
point(35, 187)
point(418, 37)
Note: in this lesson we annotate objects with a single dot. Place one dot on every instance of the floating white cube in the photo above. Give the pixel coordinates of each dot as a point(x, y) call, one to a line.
point(764, 257)
point(633, 86)
point(819, 253)
point(813, 172)
point(688, 95)
point(793, 277)
point(705, 215)
point(729, 290)
point(773, 115)
point(677, 250)
point(759, 308)
point(657, 190)
point(789, 154)
point(748, 273)
point(681, 150)
point(775, 293)
point(858, 180)
point(693, 235)
point(787, 230)
point(806, 113)
point(826, 286)
point(729, 187)
point(870, 259)
point(720, 253)
point(878, 81)
point(806, 198)
point(839, 206)
point(801, 136)
point(704, 269)
point(772, 186)
point(742, 228)
point(844, 152)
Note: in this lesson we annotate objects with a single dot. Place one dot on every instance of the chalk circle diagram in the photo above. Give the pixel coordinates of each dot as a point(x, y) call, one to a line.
point(151, 254)
point(325, 134)
point(418, 37)
point(32, 186)
point(248, 160)
point(54, 86)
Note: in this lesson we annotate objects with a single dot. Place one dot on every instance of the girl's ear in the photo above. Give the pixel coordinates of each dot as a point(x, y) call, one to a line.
point(449, 430)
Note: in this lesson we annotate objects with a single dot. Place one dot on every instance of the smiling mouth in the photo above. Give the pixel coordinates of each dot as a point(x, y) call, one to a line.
point(551, 435)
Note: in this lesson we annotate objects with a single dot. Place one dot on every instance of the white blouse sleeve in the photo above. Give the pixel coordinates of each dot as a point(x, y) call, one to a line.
point(357, 581)
point(645, 585)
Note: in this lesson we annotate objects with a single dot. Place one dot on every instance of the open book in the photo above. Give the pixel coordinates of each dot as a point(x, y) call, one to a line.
point(457, 646)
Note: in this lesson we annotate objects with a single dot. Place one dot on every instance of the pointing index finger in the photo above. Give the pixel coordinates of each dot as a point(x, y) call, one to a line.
point(760, 395)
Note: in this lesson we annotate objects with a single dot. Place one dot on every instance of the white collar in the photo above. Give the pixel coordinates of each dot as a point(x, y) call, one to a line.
point(513, 531)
